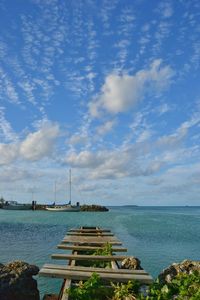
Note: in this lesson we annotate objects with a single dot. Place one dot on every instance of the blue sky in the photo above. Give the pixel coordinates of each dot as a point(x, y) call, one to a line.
point(107, 88)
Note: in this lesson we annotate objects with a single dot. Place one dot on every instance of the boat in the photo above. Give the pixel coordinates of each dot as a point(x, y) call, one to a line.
point(14, 205)
point(64, 207)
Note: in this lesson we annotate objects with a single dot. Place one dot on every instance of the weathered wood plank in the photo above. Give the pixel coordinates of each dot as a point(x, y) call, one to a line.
point(89, 257)
point(89, 230)
point(115, 270)
point(115, 267)
point(67, 282)
point(66, 285)
point(105, 239)
point(78, 275)
point(80, 248)
point(91, 240)
point(98, 233)
point(82, 243)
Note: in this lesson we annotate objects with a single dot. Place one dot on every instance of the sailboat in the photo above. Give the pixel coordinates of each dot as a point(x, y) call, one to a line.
point(65, 207)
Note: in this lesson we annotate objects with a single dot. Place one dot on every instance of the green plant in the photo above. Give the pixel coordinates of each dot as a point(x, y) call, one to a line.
point(183, 287)
point(91, 289)
point(127, 291)
point(106, 250)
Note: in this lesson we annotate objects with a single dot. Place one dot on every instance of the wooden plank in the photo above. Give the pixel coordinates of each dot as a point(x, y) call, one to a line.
point(82, 248)
point(66, 285)
point(90, 233)
point(82, 243)
point(67, 282)
point(89, 230)
point(91, 240)
point(115, 267)
point(89, 257)
point(78, 275)
point(105, 239)
point(115, 270)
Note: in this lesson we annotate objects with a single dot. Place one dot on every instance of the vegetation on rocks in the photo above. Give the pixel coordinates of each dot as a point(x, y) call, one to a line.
point(91, 289)
point(183, 287)
point(93, 207)
point(177, 282)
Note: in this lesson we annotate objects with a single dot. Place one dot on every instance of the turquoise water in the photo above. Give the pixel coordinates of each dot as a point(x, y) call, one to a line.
point(158, 236)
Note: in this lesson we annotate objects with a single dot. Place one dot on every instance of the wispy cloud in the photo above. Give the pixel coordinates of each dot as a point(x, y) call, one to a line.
point(165, 8)
point(8, 89)
point(106, 127)
point(147, 156)
point(7, 133)
point(106, 12)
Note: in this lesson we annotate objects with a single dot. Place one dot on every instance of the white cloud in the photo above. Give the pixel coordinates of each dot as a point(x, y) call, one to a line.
point(114, 163)
point(6, 131)
point(88, 187)
point(106, 127)
point(41, 143)
point(134, 160)
point(84, 159)
point(11, 174)
point(144, 135)
point(78, 139)
point(121, 92)
point(7, 88)
point(36, 145)
point(166, 10)
point(3, 49)
point(8, 153)
point(163, 108)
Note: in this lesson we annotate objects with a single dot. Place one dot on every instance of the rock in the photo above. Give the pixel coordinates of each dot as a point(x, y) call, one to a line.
point(186, 266)
point(16, 281)
point(93, 207)
point(132, 263)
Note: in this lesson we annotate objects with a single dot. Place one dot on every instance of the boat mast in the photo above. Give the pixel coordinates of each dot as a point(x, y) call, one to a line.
point(32, 195)
point(55, 193)
point(70, 187)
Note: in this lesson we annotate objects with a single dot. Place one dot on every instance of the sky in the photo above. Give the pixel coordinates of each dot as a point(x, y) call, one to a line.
point(108, 89)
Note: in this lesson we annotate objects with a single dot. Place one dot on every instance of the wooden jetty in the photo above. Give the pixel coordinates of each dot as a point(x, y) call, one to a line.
point(82, 241)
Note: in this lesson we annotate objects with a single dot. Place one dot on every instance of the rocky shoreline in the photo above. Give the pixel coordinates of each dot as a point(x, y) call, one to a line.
point(93, 207)
point(16, 281)
point(85, 207)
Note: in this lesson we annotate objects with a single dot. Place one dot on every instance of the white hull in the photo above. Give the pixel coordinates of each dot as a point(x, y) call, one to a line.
point(64, 208)
point(17, 207)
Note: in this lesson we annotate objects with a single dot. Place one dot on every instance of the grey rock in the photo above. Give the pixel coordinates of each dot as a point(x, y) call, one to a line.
point(186, 266)
point(16, 281)
point(132, 263)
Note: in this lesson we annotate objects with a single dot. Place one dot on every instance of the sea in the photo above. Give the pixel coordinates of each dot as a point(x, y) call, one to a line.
point(158, 236)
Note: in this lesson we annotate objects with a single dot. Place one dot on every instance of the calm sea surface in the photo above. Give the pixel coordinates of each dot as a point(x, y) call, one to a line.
point(158, 236)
